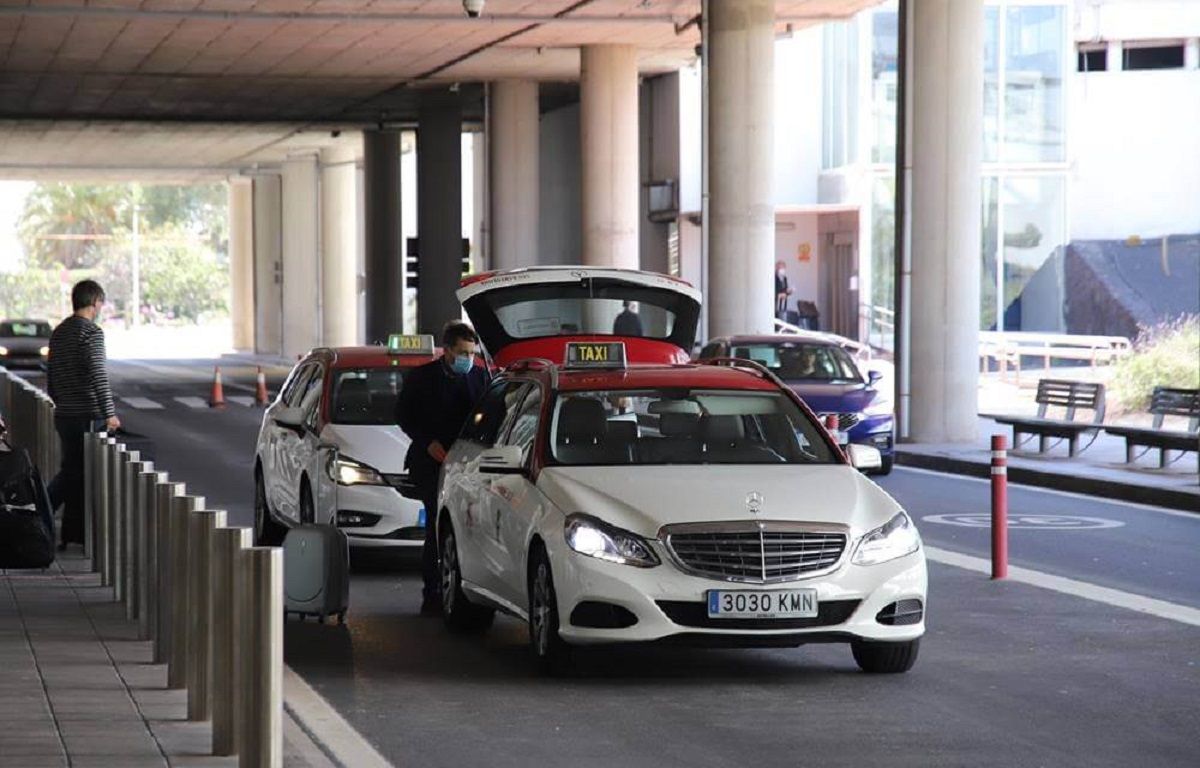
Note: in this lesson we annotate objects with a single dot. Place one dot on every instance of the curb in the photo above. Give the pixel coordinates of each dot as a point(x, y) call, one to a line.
point(1108, 489)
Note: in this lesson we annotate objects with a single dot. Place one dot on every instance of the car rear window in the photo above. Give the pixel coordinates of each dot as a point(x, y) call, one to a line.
point(29, 330)
point(684, 426)
point(366, 395)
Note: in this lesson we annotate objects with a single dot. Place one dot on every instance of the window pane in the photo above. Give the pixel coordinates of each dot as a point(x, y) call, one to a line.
point(1034, 233)
point(840, 94)
point(883, 223)
point(987, 274)
point(1094, 60)
point(1154, 57)
point(366, 395)
point(1033, 91)
point(991, 83)
point(884, 78)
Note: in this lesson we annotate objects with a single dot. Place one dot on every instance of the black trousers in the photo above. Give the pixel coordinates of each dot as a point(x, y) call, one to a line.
point(66, 489)
point(430, 554)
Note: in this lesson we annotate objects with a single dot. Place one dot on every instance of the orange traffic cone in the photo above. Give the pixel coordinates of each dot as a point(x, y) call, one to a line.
point(217, 399)
point(260, 388)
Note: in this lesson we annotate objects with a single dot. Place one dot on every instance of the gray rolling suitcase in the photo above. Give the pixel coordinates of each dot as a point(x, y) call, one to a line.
point(316, 572)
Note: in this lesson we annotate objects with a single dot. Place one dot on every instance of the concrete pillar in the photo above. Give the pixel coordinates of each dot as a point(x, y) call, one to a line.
point(439, 209)
point(339, 248)
point(947, 104)
point(741, 82)
point(241, 262)
point(384, 262)
point(608, 131)
point(1116, 56)
point(513, 125)
point(268, 265)
point(301, 268)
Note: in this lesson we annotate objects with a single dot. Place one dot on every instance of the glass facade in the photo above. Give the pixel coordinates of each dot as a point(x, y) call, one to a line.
point(1024, 213)
point(839, 94)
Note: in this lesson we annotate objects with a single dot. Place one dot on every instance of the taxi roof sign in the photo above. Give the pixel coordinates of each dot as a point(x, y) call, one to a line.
point(595, 354)
point(410, 344)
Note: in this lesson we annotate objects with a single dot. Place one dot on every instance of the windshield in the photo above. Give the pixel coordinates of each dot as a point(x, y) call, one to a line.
point(793, 360)
point(366, 395)
point(31, 330)
point(591, 307)
point(683, 426)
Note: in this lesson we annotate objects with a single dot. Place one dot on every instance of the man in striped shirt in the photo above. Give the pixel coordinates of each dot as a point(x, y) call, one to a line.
point(78, 385)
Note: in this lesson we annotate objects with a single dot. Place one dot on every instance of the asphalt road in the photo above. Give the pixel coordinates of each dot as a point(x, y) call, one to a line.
point(1009, 674)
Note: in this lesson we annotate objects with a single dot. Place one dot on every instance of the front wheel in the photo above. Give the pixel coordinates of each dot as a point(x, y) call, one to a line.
point(552, 653)
point(885, 658)
point(459, 613)
point(885, 468)
point(267, 532)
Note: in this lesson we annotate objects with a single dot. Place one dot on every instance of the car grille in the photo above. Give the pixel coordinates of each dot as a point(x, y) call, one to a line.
point(756, 552)
point(846, 421)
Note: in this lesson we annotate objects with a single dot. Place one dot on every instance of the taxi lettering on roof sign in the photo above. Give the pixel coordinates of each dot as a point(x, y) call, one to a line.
point(403, 344)
point(592, 354)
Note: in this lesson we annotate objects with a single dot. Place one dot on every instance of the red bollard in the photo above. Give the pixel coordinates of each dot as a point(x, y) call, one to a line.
point(831, 424)
point(999, 507)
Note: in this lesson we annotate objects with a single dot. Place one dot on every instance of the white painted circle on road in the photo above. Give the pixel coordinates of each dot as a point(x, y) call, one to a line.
point(1027, 522)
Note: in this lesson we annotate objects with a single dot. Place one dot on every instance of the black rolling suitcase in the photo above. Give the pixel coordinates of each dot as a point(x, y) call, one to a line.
point(316, 572)
point(26, 520)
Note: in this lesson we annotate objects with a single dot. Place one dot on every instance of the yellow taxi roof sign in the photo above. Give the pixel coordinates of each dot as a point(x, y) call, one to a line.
point(595, 354)
point(410, 344)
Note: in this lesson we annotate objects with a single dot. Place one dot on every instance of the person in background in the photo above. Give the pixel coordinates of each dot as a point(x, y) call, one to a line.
point(77, 382)
point(782, 291)
point(433, 406)
point(628, 323)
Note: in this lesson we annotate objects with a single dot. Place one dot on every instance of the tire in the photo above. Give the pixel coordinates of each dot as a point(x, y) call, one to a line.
point(552, 653)
point(886, 467)
point(267, 532)
point(460, 614)
point(885, 658)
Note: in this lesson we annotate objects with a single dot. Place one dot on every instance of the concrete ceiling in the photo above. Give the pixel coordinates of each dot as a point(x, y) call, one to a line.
point(332, 61)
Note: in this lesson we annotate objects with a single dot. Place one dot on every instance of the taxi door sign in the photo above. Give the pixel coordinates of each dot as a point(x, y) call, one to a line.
point(595, 354)
point(402, 344)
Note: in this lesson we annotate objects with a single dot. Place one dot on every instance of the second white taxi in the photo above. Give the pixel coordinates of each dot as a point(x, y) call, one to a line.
point(605, 490)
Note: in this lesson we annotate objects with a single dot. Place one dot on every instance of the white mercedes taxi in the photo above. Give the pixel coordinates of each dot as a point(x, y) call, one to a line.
point(606, 490)
point(329, 449)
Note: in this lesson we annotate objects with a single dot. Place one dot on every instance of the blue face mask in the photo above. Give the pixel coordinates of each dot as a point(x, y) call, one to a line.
point(461, 364)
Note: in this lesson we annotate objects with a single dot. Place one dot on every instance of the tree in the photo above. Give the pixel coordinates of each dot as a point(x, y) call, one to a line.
point(85, 210)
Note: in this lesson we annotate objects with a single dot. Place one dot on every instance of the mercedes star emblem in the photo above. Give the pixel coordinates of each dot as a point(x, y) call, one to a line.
point(754, 502)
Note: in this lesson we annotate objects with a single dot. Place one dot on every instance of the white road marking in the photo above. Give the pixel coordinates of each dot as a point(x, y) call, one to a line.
point(142, 403)
point(1040, 489)
point(1026, 522)
point(326, 727)
point(1161, 608)
point(193, 402)
point(245, 400)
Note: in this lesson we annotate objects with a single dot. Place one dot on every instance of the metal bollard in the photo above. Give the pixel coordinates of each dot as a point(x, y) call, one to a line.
point(121, 525)
point(89, 490)
point(260, 740)
point(226, 693)
point(181, 516)
point(163, 569)
point(100, 507)
point(115, 450)
point(132, 486)
point(147, 559)
point(204, 524)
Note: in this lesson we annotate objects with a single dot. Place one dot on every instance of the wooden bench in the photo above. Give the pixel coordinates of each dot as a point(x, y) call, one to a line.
point(1072, 396)
point(1165, 401)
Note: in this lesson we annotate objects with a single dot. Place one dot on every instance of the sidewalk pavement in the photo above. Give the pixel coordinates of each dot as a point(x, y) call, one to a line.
point(1099, 471)
point(77, 688)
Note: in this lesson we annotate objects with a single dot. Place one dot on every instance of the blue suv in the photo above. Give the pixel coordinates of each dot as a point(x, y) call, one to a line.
point(821, 372)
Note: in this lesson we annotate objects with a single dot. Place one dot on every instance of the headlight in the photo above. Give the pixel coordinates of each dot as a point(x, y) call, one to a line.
point(350, 472)
point(895, 538)
point(3, 350)
point(595, 538)
point(44, 351)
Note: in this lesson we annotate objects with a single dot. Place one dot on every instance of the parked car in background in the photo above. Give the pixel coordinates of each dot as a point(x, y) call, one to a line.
point(24, 343)
point(818, 368)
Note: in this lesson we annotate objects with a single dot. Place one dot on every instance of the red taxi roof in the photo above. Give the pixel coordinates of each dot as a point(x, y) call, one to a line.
point(655, 376)
point(370, 357)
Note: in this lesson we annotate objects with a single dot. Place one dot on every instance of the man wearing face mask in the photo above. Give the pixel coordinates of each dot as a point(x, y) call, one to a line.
point(782, 290)
point(432, 408)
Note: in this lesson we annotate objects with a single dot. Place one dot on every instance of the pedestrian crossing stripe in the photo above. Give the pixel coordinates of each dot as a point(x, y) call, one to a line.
point(142, 403)
point(192, 402)
point(245, 400)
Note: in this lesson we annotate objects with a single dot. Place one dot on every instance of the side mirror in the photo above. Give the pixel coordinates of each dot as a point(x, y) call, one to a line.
point(873, 377)
point(863, 457)
point(289, 416)
point(502, 460)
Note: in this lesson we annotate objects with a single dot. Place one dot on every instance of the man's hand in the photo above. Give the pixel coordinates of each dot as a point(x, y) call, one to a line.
point(437, 451)
point(112, 423)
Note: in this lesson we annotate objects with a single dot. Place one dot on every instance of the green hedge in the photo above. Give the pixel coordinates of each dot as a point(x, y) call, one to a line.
point(1163, 355)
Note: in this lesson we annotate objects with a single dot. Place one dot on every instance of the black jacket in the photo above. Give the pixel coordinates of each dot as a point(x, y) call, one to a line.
point(434, 405)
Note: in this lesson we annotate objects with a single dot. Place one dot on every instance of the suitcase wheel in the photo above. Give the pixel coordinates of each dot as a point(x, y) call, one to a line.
point(342, 617)
point(320, 618)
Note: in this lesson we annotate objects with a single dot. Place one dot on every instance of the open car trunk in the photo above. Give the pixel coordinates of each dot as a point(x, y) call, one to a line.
point(535, 312)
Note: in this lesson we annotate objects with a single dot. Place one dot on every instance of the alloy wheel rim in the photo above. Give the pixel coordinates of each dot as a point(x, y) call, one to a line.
point(449, 573)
